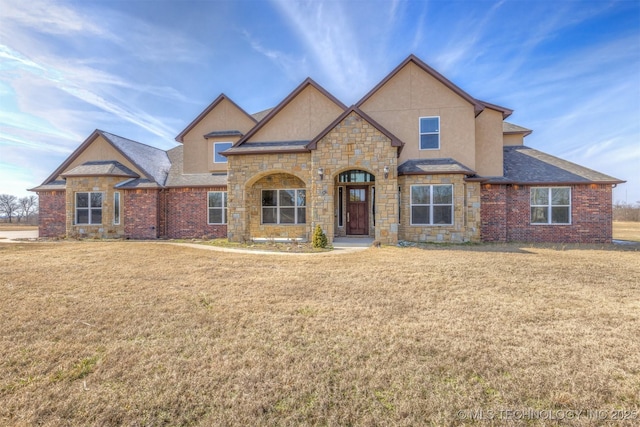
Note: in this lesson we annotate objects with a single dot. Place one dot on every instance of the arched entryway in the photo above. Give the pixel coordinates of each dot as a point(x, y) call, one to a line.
point(277, 207)
point(355, 203)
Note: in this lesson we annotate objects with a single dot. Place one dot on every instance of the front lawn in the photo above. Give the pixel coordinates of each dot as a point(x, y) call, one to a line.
point(140, 333)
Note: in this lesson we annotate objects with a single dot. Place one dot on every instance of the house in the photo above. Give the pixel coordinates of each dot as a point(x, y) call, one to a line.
point(417, 159)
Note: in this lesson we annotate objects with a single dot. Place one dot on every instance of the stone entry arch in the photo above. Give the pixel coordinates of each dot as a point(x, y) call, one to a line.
point(278, 208)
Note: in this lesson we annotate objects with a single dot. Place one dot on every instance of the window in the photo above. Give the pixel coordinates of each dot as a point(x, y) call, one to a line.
point(219, 147)
point(340, 207)
point(429, 133)
point(217, 207)
point(356, 176)
point(116, 208)
point(89, 208)
point(551, 205)
point(284, 206)
point(432, 204)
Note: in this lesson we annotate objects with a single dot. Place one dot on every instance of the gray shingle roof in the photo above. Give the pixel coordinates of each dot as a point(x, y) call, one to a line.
point(101, 168)
point(223, 133)
point(153, 161)
point(51, 186)
point(261, 114)
point(266, 147)
point(525, 165)
point(433, 166)
point(511, 128)
point(177, 178)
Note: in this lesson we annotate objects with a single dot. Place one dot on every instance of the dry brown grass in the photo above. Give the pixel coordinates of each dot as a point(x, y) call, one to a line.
point(626, 230)
point(129, 333)
point(5, 226)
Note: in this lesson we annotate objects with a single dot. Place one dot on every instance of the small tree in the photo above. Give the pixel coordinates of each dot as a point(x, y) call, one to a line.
point(319, 238)
point(9, 205)
point(28, 206)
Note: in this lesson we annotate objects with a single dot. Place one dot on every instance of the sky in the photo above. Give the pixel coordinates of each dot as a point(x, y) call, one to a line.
point(144, 69)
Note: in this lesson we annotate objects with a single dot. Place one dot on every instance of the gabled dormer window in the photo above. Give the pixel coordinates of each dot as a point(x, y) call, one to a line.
point(430, 133)
point(219, 147)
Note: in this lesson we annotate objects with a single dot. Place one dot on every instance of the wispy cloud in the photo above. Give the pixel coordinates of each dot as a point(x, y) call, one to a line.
point(81, 83)
point(49, 17)
point(293, 67)
point(329, 36)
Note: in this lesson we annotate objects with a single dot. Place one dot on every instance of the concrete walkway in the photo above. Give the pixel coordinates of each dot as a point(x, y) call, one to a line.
point(337, 250)
point(11, 236)
point(343, 246)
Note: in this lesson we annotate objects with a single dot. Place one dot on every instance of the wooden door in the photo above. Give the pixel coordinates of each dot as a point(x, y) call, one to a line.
point(357, 210)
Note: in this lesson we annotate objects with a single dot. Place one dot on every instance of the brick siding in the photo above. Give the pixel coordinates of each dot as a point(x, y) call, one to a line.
point(52, 217)
point(591, 216)
point(493, 213)
point(185, 214)
point(141, 214)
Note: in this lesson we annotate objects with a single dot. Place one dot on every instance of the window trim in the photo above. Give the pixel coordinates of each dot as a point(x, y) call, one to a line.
point(116, 208)
point(420, 133)
point(88, 208)
point(278, 207)
point(431, 205)
point(224, 208)
point(549, 206)
point(214, 151)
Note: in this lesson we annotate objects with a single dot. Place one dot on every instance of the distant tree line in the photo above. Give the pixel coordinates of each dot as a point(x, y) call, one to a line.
point(14, 209)
point(626, 211)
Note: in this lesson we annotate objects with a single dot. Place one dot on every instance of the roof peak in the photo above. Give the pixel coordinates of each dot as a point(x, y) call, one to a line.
point(292, 95)
point(477, 105)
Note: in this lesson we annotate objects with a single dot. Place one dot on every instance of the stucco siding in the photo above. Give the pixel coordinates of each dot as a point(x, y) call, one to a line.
point(301, 119)
point(100, 150)
point(198, 151)
point(489, 143)
point(412, 93)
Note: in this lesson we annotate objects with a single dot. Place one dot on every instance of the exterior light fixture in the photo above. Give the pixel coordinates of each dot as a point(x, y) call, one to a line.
point(321, 173)
point(386, 172)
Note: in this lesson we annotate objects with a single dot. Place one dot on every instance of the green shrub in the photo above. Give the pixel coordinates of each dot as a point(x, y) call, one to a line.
point(319, 238)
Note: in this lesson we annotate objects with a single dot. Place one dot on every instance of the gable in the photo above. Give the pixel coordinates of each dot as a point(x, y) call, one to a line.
point(98, 150)
point(357, 115)
point(221, 121)
point(300, 117)
point(221, 115)
point(415, 85)
point(414, 90)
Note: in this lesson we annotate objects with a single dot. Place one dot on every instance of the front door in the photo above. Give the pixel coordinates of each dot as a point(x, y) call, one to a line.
point(357, 210)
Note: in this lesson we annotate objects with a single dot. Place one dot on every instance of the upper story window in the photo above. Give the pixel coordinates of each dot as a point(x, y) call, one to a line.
point(219, 147)
point(551, 205)
point(430, 133)
point(89, 207)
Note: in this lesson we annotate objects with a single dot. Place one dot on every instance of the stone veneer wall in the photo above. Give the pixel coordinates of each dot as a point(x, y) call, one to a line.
point(355, 144)
point(244, 172)
point(141, 213)
point(466, 211)
point(254, 203)
point(185, 214)
point(51, 215)
point(105, 184)
point(591, 216)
